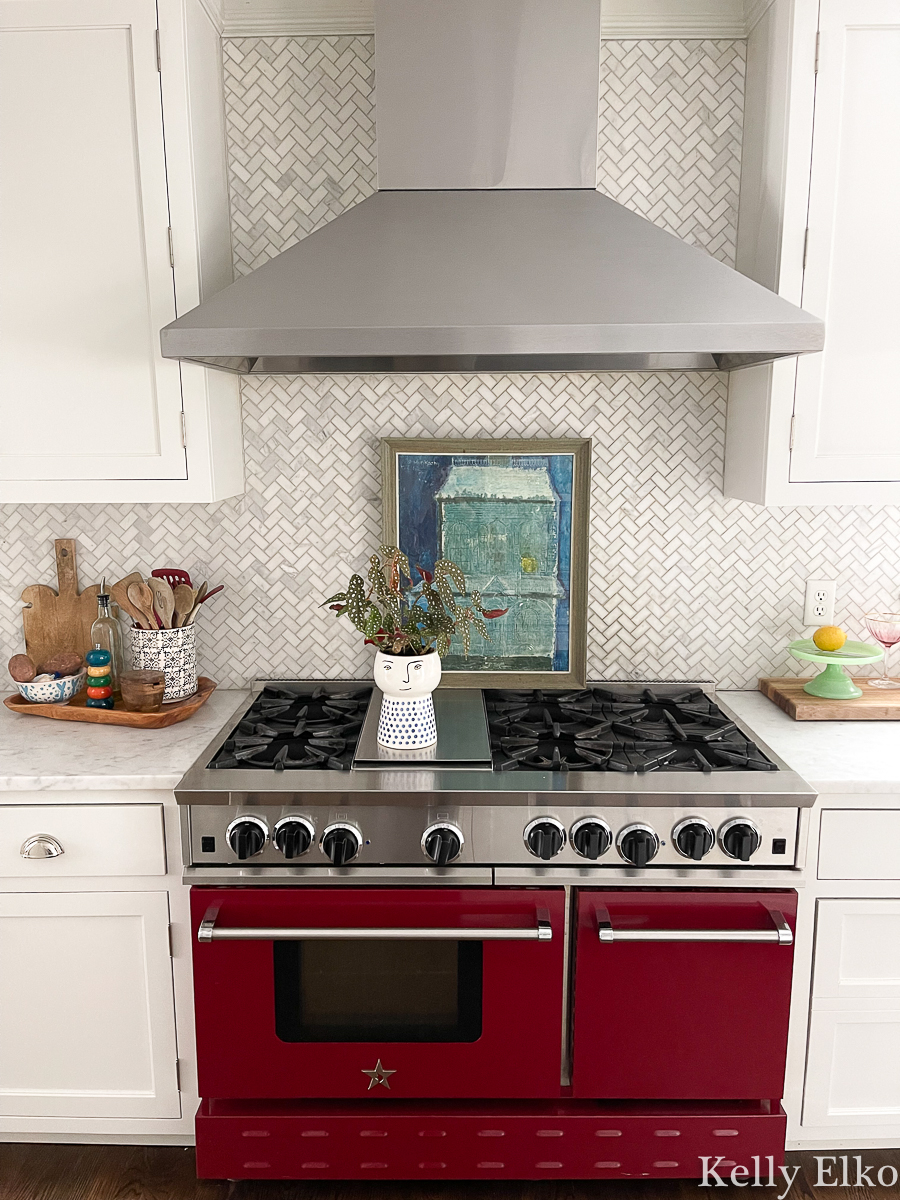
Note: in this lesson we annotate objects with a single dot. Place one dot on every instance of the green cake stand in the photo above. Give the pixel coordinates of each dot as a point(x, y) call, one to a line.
point(833, 683)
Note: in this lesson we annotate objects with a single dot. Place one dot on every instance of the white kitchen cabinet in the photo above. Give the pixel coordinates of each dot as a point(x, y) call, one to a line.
point(87, 1017)
point(818, 224)
point(113, 219)
point(853, 1062)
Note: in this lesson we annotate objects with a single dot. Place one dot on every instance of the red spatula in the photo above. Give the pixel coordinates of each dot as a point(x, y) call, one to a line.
point(172, 576)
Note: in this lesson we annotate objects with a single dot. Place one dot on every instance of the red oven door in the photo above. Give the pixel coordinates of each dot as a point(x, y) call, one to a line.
point(378, 993)
point(682, 994)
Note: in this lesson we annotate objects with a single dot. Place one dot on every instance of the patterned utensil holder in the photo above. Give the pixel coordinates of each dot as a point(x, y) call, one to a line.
point(173, 651)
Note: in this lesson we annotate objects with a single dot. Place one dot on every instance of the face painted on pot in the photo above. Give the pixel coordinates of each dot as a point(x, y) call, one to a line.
point(403, 677)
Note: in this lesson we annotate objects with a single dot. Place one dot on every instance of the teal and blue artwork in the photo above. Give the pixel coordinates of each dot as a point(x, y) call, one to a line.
point(506, 521)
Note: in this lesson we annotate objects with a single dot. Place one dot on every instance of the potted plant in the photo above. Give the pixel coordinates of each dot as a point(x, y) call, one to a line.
point(410, 622)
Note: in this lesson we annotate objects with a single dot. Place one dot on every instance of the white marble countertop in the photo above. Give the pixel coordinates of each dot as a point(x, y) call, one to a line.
point(37, 754)
point(41, 755)
point(832, 756)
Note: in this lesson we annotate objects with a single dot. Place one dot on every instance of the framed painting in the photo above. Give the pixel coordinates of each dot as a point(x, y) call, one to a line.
point(513, 515)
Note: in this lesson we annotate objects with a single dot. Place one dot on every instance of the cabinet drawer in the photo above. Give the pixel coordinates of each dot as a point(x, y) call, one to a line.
point(857, 949)
point(96, 839)
point(860, 843)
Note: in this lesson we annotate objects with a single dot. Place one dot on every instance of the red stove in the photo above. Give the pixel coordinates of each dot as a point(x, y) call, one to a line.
point(561, 948)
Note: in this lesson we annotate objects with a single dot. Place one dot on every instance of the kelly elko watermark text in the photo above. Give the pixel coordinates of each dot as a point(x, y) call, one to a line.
point(834, 1170)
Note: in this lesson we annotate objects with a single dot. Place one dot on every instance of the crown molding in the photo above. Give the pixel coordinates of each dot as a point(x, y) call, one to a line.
point(621, 19)
point(215, 10)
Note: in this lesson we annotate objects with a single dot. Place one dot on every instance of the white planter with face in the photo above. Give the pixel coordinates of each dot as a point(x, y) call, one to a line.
point(407, 712)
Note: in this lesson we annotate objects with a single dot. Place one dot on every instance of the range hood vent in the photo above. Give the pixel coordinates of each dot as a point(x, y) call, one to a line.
point(487, 247)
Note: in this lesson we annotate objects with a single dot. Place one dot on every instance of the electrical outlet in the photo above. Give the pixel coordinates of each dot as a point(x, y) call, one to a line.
point(818, 608)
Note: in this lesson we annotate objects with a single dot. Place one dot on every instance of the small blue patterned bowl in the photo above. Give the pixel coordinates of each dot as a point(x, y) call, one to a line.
point(53, 691)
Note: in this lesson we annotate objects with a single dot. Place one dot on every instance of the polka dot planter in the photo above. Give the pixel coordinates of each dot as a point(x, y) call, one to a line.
point(173, 651)
point(406, 724)
point(406, 721)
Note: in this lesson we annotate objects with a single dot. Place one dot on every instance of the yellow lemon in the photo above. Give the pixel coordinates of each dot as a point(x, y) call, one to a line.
point(829, 637)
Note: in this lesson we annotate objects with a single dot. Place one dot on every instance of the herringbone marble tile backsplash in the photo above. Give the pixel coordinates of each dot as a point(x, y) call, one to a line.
point(684, 583)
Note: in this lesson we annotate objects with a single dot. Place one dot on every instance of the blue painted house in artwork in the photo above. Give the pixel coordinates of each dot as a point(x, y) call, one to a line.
point(500, 524)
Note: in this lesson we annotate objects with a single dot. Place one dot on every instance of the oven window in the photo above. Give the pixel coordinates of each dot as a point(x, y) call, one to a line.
point(378, 991)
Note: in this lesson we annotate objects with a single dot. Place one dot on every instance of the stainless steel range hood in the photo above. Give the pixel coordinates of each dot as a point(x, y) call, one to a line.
point(487, 247)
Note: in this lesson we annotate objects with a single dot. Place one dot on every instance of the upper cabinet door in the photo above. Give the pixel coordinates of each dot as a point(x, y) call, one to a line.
point(86, 279)
point(847, 426)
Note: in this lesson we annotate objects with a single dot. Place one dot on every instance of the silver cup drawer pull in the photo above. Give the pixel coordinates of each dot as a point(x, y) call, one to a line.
point(780, 934)
point(41, 845)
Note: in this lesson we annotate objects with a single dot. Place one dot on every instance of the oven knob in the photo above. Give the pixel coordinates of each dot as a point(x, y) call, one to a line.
point(545, 837)
point(637, 844)
point(591, 837)
point(246, 836)
point(442, 843)
point(693, 838)
point(340, 843)
point(293, 836)
point(740, 838)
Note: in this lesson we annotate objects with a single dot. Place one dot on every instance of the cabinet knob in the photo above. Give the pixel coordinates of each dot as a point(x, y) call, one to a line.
point(41, 845)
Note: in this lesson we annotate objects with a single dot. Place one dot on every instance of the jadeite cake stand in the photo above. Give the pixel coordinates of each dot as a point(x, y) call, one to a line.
point(833, 683)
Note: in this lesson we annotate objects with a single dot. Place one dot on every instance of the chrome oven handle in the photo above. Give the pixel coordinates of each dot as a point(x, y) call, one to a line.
point(542, 931)
point(780, 934)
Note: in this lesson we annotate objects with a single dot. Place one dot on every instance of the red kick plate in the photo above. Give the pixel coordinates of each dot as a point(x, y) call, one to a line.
point(573, 1140)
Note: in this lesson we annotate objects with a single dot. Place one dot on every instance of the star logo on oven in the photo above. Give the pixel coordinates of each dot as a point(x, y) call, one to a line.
point(378, 1074)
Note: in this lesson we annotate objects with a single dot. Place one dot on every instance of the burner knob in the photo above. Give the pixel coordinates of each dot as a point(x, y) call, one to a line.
point(739, 838)
point(693, 838)
point(545, 837)
point(591, 837)
point(637, 844)
point(246, 836)
point(442, 843)
point(293, 836)
point(340, 843)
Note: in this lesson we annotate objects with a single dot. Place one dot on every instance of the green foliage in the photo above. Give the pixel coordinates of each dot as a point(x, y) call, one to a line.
point(402, 615)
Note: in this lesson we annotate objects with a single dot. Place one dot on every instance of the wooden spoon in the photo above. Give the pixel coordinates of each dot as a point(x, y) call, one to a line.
point(119, 593)
point(198, 600)
point(184, 602)
point(163, 600)
point(141, 599)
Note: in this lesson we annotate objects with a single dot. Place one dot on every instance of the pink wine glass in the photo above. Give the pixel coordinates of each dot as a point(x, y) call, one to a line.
point(885, 629)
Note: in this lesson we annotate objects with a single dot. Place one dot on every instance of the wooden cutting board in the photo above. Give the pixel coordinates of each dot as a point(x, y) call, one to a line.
point(59, 620)
point(873, 705)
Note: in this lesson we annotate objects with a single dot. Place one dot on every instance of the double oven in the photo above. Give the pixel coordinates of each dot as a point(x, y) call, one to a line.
point(464, 1032)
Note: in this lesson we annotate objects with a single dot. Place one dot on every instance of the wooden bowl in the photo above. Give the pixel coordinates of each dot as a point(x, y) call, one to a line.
point(142, 691)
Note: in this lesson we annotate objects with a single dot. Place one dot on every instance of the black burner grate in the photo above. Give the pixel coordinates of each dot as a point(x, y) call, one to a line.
point(297, 728)
point(610, 729)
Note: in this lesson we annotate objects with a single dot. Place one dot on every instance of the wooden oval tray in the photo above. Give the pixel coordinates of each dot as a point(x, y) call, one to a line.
point(76, 710)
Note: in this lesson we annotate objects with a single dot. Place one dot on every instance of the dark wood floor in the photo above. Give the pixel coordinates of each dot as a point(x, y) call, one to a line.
point(47, 1172)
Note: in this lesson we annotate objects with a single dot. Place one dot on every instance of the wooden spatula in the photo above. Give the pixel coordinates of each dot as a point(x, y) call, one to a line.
point(163, 600)
point(184, 602)
point(141, 599)
point(119, 593)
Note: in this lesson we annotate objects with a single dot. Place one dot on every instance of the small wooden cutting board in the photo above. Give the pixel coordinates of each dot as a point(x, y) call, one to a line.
point(873, 705)
point(63, 620)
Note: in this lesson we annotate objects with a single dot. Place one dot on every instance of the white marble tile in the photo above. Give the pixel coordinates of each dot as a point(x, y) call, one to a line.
point(37, 754)
point(832, 756)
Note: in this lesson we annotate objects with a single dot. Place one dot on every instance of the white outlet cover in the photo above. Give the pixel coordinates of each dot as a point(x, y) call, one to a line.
point(818, 606)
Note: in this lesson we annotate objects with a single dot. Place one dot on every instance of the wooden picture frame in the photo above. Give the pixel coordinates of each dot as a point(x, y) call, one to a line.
point(514, 514)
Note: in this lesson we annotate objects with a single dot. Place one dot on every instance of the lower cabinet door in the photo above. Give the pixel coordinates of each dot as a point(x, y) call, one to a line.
point(87, 1017)
point(853, 1065)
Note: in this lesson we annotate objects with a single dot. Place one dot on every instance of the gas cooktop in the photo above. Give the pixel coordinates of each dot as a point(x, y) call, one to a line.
point(627, 743)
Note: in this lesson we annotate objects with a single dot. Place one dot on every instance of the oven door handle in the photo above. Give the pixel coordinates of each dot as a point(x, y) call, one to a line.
point(780, 933)
point(542, 931)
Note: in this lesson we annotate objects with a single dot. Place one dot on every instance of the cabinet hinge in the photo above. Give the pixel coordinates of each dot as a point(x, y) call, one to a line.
point(178, 1073)
point(818, 45)
point(791, 443)
point(158, 54)
point(183, 435)
point(805, 246)
point(171, 248)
